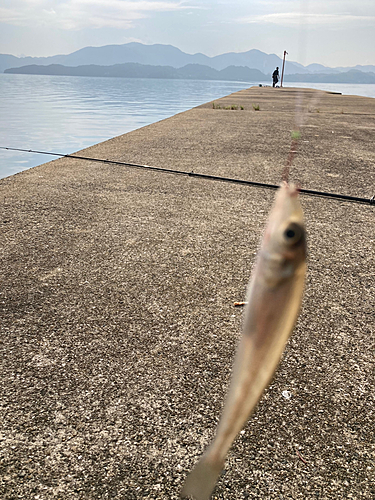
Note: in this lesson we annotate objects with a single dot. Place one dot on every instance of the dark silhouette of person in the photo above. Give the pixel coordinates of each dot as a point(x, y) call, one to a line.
point(275, 76)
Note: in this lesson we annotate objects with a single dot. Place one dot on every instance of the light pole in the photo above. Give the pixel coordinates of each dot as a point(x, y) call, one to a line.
point(282, 73)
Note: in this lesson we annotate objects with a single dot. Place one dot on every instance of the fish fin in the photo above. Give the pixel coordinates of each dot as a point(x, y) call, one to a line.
point(202, 479)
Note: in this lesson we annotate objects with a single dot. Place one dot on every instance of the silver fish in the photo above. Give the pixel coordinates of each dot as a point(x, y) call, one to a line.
point(274, 298)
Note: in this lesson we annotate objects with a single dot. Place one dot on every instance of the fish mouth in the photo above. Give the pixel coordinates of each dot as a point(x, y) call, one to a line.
point(292, 189)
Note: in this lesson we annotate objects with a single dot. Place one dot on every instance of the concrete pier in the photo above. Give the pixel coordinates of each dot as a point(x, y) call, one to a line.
point(118, 328)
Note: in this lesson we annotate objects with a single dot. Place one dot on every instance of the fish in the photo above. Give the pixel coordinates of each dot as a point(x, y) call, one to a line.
point(274, 297)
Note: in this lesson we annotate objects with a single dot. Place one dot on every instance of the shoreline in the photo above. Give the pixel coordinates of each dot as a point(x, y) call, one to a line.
point(268, 82)
point(27, 127)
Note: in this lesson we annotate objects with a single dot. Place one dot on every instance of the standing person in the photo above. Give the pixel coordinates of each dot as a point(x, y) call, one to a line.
point(275, 76)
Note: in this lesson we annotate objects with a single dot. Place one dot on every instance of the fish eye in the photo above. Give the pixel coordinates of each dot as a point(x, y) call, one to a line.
point(293, 233)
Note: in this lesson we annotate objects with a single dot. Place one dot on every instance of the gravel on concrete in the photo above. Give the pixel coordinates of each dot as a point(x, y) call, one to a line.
point(118, 328)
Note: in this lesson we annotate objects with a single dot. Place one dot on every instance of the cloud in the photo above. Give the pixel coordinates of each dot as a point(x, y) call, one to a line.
point(326, 13)
point(78, 14)
point(297, 19)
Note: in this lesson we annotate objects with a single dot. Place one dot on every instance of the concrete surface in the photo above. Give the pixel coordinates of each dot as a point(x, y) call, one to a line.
point(117, 322)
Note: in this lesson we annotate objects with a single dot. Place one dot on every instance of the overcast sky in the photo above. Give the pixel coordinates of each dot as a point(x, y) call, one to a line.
point(330, 32)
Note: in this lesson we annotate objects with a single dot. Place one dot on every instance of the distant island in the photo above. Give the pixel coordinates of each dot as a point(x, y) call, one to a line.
point(135, 70)
point(188, 72)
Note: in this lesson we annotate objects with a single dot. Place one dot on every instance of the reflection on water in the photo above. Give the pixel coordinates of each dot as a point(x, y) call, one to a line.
point(66, 114)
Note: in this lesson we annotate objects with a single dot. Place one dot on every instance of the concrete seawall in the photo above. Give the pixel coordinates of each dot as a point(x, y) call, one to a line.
point(116, 305)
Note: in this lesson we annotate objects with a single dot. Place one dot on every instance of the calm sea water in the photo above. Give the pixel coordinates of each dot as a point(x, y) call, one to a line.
point(66, 114)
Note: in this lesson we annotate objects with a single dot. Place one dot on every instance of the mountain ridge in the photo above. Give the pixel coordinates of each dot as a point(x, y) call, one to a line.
point(168, 55)
point(190, 71)
point(136, 70)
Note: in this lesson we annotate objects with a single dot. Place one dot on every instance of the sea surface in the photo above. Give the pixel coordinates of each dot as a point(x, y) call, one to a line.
point(64, 114)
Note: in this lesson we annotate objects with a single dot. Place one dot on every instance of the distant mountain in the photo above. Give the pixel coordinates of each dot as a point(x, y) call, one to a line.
point(352, 76)
point(7, 61)
point(135, 70)
point(188, 72)
point(319, 68)
point(167, 55)
point(253, 59)
point(365, 69)
point(155, 55)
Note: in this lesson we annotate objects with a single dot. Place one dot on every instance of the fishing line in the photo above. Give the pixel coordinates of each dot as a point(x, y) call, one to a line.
point(300, 111)
point(309, 192)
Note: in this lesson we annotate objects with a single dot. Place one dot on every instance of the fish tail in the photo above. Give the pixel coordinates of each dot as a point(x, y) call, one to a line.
point(202, 479)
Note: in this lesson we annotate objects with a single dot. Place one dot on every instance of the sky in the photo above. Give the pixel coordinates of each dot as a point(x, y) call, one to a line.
point(330, 32)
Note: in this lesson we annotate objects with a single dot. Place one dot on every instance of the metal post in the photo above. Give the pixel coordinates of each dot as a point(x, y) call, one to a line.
point(282, 73)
